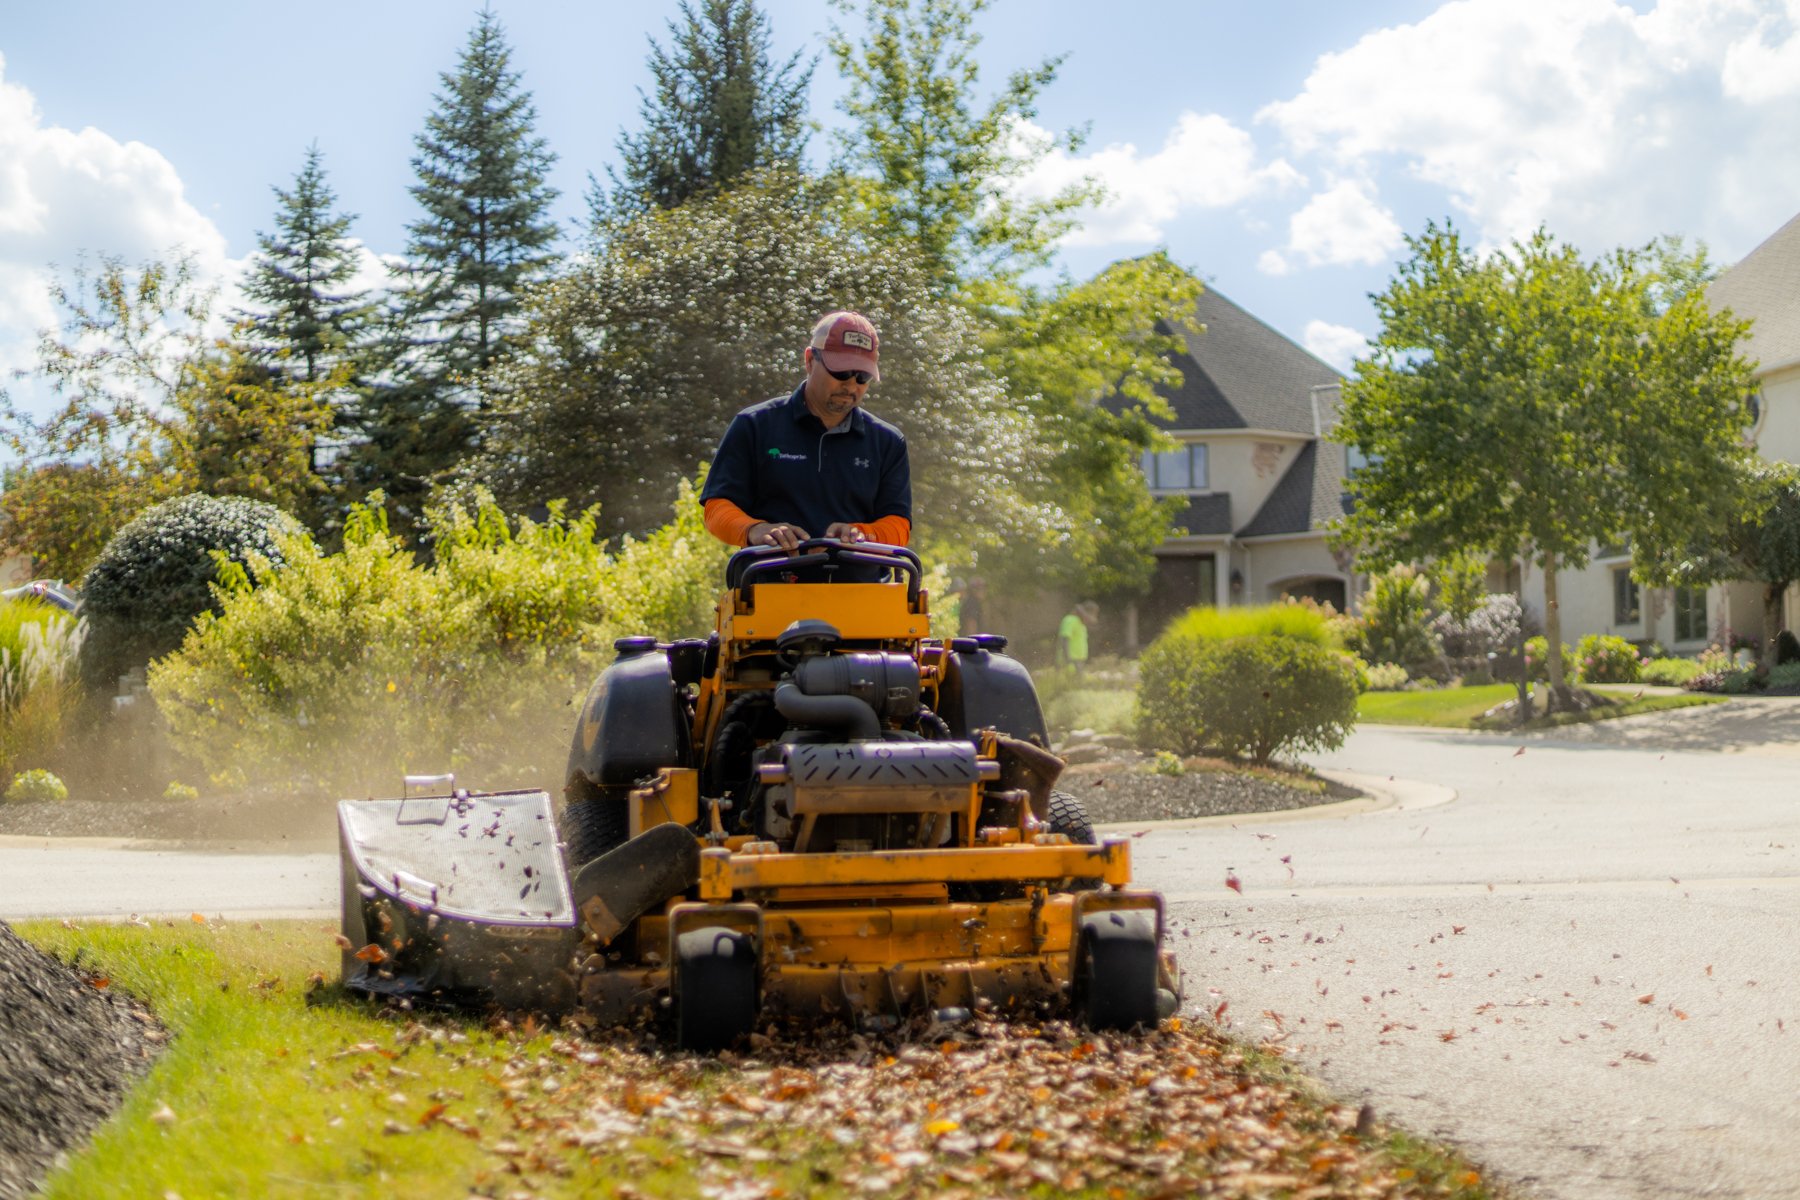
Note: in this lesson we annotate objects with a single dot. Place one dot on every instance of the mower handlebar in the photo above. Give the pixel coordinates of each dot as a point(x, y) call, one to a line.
point(752, 562)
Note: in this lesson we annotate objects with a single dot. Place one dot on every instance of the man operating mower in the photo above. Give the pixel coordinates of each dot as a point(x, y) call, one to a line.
point(814, 463)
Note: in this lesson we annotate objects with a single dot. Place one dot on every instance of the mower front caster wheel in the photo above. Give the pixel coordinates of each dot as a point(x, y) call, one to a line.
point(715, 987)
point(1115, 970)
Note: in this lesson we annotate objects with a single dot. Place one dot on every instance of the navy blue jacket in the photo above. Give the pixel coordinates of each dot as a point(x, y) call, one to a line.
point(779, 463)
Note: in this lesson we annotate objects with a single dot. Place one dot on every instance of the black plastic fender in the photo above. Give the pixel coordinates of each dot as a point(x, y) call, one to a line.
point(986, 689)
point(631, 724)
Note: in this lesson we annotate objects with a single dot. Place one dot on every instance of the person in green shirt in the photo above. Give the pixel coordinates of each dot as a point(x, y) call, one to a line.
point(1072, 635)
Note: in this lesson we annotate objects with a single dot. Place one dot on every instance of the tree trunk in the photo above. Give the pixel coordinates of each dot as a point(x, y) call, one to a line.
point(1553, 660)
point(1524, 671)
point(1772, 624)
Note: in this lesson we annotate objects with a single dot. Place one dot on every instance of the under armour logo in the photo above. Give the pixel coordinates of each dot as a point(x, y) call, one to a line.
point(862, 462)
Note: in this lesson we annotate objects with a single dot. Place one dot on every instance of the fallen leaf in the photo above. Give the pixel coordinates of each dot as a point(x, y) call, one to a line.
point(1518, 752)
point(343, 942)
point(164, 1115)
point(1231, 881)
point(1647, 998)
point(196, 918)
point(372, 953)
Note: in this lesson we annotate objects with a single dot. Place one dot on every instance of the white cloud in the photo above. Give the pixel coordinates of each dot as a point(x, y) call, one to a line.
point(1336, 344)
point(1343, 225)
point(64, 193)
point(1205, 162)
point(1608, 125)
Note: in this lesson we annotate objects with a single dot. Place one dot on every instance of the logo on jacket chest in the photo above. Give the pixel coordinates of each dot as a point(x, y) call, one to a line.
point(781, 455)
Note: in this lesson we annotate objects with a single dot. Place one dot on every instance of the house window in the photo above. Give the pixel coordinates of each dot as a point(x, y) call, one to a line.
point(1625, 598)
point(1182, 469)
point(1690, 614)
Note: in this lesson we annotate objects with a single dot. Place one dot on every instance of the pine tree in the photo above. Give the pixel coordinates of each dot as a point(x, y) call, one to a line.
point(720, 108)
point(485, 234)
point(306, 322)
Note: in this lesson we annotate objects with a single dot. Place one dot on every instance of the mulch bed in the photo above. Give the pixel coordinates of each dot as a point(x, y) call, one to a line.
point(69, 1051)
point(1127, 789)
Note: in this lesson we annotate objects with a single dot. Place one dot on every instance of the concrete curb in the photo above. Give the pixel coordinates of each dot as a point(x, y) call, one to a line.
point(1384, 793)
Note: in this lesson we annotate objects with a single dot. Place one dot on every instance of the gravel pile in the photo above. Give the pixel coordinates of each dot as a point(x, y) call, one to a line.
point(68, 1052)
point(1126, 789)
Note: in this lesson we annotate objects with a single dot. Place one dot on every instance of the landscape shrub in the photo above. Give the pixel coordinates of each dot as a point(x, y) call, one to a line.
point(155, 577)
point(338, 673)
point(1603, 658)
point(1293, 620)
point(1537, 666)
point(1258, 696)
point(1787, 648)
point(1491, 629)
point(1386, 677)
point(36, 786)
point(1669, 672)
point(40, 693)
point(1396, 624)
point(1784, 675)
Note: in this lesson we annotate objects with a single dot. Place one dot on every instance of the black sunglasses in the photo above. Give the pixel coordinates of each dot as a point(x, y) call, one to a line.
point(841, 376)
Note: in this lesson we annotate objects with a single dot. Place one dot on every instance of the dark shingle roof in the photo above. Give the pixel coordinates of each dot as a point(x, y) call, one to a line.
point(1765, 286)
point(1209, 514)
point(1309, 496)
point(1240, 374)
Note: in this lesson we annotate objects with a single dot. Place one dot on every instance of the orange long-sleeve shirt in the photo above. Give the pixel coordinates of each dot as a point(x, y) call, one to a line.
point(731, 525)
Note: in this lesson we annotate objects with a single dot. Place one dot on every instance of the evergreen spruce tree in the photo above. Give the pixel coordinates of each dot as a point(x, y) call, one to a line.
point(484, 235)
point(306, 322)
point(721, 108)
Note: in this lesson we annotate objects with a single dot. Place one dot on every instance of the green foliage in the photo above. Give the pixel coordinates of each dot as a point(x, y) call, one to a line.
point(1669, 672)
point(1168, 763)
point(117, 363)
point(339, 673)
point(1386, 677)
point(618, 344)
point(930, 164)
point(721, 108)
point(1602, 658)
point(1531, 402)
point(1784, 676)
point(39, 691)
point(249, 430)
point(1297, 622)
point(307, 320)
point(36, 786)
point(1787, 648)
point(181, 793)
point(1253, 695)
point(1396, 623)
point(1537, 654)
point(155, 577)
point(1459, 585)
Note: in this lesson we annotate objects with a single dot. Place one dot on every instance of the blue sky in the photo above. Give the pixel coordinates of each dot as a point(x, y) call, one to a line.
point(1278, 149)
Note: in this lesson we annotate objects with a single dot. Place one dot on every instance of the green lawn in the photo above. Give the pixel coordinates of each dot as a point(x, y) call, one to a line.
point(1457, 708)
point(274, 1084)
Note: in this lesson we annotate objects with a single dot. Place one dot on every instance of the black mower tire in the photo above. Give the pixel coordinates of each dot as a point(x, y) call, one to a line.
point(593, 821)
point(1116, 970)
point(1068, 815)
point(715, 988)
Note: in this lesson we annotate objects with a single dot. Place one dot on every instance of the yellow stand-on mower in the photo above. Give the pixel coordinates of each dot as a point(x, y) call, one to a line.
point(819, 811)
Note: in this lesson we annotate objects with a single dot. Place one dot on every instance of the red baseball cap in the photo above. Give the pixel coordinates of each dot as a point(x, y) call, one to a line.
point(847, 342)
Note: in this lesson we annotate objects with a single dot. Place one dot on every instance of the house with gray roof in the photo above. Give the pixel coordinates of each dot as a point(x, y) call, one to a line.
point(1260, 480)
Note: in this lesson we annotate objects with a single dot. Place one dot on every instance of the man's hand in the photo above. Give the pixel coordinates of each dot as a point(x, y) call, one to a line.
point(767, 533)
point(843, 531)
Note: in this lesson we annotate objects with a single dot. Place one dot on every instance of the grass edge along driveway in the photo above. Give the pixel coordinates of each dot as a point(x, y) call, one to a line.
point(275, 1084)
point(1460, 707)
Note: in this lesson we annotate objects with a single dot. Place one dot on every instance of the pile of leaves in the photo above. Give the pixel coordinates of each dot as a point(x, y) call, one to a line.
point(974, 1110)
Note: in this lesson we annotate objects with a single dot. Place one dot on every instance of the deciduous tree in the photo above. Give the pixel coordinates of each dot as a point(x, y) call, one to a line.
point(1532, 403)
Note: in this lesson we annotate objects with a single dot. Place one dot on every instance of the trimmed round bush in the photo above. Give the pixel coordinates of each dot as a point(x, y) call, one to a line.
point(1387, 677)
point(1603, 658)
point(1669, 672)
point(155, 577)
point(36, 787)
point(1257, 696)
